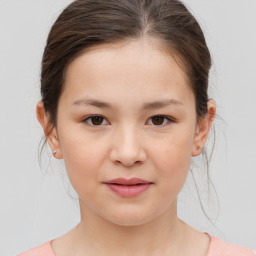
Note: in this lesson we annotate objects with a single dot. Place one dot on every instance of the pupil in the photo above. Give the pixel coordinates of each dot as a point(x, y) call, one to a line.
point(97, 120)
point(158, 120)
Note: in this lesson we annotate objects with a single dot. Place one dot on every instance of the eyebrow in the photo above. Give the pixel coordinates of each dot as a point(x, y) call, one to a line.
point(148, 106)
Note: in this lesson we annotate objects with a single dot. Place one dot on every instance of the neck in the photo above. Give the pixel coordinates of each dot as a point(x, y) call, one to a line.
point(163, 233)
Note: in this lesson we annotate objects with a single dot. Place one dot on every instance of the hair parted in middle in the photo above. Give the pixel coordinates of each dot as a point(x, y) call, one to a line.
point(88, 23)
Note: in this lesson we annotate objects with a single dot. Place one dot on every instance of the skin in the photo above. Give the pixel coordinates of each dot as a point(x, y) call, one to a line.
point(128, 143)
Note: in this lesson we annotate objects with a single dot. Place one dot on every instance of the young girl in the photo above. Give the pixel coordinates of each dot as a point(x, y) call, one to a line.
point(124, 103)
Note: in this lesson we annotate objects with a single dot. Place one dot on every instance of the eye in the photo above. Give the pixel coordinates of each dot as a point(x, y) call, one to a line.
point(98, 120)
point(95, 120)
point(160, 120)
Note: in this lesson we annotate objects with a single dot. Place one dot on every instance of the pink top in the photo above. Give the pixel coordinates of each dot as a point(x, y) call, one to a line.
point(217, 248)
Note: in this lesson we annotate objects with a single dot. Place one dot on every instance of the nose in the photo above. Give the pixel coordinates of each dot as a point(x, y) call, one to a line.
point(127, 147)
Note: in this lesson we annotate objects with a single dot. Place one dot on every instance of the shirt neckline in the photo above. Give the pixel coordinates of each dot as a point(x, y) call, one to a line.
point(211, 244)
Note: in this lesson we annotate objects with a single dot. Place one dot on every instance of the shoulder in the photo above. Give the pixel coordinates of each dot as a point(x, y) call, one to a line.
point(42, 250)
point(220, 248)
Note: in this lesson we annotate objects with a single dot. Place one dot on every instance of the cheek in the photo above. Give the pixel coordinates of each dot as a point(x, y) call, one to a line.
point(83, 157)
point(172, 159)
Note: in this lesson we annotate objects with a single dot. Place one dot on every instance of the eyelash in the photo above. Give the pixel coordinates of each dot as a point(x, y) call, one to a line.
point(169, 120)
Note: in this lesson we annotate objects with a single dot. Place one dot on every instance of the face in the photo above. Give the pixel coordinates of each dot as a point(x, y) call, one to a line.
point(127, 110)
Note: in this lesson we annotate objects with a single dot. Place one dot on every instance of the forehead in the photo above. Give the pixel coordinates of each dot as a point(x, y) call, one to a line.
point(137, 67)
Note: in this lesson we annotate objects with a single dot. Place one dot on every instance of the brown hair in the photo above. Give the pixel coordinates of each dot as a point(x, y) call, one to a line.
point(87, 23)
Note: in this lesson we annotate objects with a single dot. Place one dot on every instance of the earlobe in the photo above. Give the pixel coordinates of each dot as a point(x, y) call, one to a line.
point(203, 128)
point(54, 143)
point(49, 130)
point(196, 150)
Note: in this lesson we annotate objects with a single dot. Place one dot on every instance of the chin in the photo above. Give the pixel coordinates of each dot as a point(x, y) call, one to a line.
point(130, 219)
point(129, 222)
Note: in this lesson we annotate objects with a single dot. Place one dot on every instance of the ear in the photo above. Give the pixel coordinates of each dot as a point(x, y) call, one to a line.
point(49, 130)
point(203, 128)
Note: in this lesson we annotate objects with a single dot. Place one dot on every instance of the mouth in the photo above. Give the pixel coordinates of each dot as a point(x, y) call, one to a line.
point(128, 188)
point(128, 185)
point(128, 182)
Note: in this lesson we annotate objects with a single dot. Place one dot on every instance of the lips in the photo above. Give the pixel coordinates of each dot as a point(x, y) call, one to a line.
point(128, 188)
point(128, 182)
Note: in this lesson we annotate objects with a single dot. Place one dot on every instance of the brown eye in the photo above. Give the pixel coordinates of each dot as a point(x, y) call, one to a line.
point(95, 120)
point(157, 120)
point(160, 120)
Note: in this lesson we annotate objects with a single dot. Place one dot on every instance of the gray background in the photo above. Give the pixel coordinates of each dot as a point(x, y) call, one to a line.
point(36, 208)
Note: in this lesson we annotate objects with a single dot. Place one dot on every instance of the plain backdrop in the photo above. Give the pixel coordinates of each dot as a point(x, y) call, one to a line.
point(37, 207)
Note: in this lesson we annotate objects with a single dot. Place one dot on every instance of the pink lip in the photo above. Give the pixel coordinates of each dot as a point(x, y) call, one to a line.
point(123, 181)
point(128, 188)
